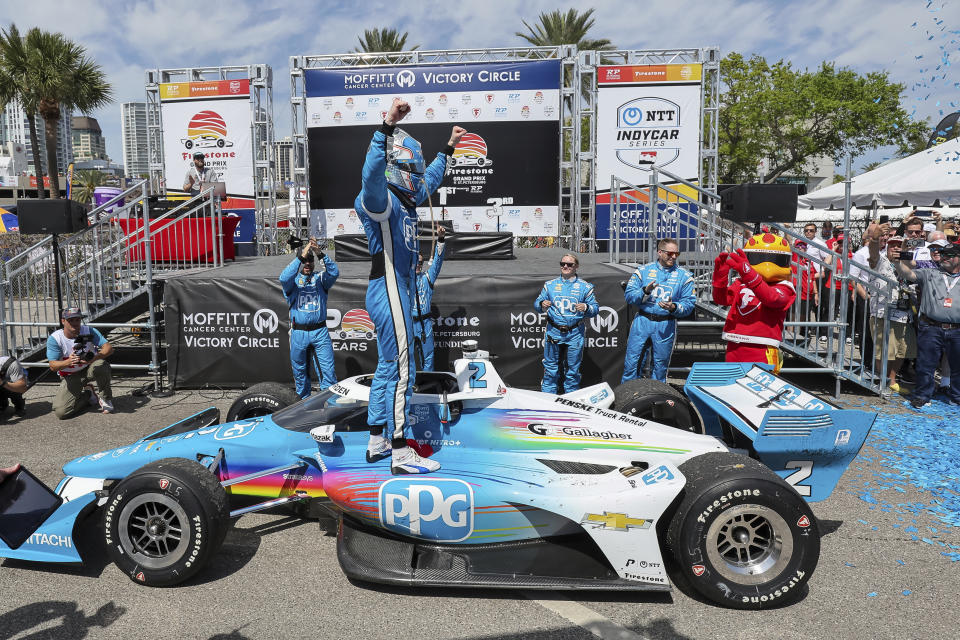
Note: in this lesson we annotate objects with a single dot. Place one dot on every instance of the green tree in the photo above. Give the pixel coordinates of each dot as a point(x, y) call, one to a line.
point(382, 40)
point(14, 85)
point(788, 117)
point(557, 27)
point(61, 76)
point(87, 180)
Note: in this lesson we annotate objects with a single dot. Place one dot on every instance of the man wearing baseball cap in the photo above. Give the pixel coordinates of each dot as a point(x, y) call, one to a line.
point(78, 354)
point(197, 174)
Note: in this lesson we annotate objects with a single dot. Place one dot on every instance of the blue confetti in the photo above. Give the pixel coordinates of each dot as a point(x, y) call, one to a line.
point(872, 594)
point(901, 563)
point(907, 592)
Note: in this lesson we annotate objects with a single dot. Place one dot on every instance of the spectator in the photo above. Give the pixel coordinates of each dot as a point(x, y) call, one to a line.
point(939, 323)
point(14, 385)
point(567, 301)
point(306, 293)
point(806, 281)
point(78, 354)
point(422, 317)
point(663, 292)
point(890, 301)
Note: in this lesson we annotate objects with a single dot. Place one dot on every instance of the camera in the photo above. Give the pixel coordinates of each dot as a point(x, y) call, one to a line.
point(80, 347)
point(904, 302)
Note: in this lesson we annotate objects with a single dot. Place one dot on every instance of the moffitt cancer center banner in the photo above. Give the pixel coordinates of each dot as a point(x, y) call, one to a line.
point(647, 116)
point(213, 117)
point(507, 167)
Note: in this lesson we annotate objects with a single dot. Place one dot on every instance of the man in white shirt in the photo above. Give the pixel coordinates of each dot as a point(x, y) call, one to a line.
point(197, 174)
point(78, 354)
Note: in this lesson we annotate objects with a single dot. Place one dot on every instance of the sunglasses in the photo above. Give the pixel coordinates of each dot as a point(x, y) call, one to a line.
point(810, 230)
point(671, 254)
point(567, 264)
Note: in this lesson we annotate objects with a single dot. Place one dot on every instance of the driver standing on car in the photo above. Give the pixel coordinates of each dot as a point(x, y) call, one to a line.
point(197, 174)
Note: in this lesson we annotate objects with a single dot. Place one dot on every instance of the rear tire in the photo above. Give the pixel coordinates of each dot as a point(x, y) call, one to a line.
point(742, 538)
point(164, 521)
point(657, 401)
point(261, 400)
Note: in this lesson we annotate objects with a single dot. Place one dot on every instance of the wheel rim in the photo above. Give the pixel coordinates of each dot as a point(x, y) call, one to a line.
point(154, 530)
point(750, 544)
point(254, 412)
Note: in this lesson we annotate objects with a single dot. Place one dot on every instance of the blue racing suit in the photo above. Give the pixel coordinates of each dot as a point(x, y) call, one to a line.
point(422, 320)
point(307, 300)
point(565, 330)
point(654, 329)
point(390, 222)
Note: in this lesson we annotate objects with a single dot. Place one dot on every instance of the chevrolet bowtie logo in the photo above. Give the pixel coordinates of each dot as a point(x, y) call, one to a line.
point(615, 521)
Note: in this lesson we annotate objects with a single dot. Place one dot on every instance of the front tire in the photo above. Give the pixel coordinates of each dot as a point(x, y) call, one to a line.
point(261, 400)
point(164, 522)
point(744, 539)
point(657, 401)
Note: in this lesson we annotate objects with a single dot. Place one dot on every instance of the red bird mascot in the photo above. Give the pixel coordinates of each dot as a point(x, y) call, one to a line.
point(759, 298)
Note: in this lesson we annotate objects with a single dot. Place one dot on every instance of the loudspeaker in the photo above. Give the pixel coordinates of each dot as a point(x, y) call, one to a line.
point(50, 216)
point(760, 203)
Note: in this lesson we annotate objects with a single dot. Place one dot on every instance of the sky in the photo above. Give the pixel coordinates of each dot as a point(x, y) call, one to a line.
point(916, 41)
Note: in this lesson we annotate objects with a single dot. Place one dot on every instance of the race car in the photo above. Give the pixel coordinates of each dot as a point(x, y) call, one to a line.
point(594, 490)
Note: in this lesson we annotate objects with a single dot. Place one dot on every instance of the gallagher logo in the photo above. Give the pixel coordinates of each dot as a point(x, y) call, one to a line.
point(436, 509)
point(471, 151)
point(206, 129)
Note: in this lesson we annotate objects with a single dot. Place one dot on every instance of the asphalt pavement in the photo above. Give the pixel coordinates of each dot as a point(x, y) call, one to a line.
point(889, 565)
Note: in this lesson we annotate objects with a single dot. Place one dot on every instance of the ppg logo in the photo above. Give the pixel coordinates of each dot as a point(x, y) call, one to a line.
point(406, 78)
point(438, 509)
point(631, 116)
point(565, 305)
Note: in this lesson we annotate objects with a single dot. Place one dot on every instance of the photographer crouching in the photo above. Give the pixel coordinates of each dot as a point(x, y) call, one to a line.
point(78, 354)
point(938, 330)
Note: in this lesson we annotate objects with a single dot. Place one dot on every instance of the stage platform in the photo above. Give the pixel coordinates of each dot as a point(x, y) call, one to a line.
point(229, 326)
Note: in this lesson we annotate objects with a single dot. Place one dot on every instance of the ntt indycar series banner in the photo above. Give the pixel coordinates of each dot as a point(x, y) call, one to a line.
point(506, 171)
point(214, 118)
point(235, 333)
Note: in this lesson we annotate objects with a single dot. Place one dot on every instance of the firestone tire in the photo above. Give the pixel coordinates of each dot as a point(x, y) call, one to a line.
point(261, 400)
point(657, 401)
point(164, 522)
point(741, 536)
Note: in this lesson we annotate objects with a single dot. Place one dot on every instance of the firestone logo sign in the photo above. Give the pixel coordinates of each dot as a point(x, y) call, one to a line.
point(206, 129)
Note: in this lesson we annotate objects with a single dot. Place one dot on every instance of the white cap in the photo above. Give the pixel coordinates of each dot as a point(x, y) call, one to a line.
point(928, 227)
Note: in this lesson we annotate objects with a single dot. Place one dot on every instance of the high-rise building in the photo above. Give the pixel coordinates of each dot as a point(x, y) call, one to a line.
point(88, 142)
point(283, 160)
point(15, 128)
point(133, 128)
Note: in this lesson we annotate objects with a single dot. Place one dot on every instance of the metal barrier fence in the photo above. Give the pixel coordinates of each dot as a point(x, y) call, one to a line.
point(829, 324)
point(102, 267)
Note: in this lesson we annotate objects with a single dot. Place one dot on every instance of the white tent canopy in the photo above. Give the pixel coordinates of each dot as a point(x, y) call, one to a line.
point(926, 179)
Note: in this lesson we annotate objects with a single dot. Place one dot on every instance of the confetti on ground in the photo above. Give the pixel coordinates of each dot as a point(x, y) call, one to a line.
point(872, 594)
point(907, 592)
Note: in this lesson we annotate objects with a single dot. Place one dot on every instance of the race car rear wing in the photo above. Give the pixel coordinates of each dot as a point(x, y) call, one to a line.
point(806, 440)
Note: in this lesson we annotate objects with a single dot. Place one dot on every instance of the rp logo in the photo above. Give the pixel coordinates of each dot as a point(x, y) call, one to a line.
point(605, 320)
point(406, 78)
point(266, 321)
point(440, 509)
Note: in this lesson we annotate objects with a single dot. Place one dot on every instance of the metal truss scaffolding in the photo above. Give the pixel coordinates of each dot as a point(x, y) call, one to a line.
point(261, 131)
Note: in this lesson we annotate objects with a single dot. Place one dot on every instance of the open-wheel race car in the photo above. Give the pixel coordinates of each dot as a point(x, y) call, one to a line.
point(594, 489)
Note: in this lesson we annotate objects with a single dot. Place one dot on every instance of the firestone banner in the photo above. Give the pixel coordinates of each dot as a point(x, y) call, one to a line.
point(506, 172)
point(236, 332)
point(215, 118)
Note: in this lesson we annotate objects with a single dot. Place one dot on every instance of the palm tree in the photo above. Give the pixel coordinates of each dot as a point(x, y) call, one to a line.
point(382, 40)
point(15, 86)
point(88, 180)
point(571, 27)
point(62, 76)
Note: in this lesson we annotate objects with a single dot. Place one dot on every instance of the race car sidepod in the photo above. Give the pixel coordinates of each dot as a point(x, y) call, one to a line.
point(807, 441)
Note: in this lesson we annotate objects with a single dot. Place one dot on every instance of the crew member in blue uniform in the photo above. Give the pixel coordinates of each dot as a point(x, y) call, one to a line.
point(306, 293)
point(395, 181)
point(567, 301)
point(663, 292)
point(422, 320)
